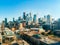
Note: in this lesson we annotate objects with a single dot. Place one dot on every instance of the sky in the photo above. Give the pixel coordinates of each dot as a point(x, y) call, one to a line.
point(14, 8)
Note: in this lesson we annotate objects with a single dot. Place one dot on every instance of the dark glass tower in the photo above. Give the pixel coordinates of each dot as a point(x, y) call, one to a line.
point(13, 19)
point(24, 16)
point(5, 21)
point(34, 18)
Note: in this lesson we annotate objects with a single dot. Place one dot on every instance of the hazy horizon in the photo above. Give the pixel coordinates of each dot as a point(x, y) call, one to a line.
point(15, 8)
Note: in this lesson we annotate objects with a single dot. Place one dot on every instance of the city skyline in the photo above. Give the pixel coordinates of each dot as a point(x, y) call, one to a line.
point(11, 8)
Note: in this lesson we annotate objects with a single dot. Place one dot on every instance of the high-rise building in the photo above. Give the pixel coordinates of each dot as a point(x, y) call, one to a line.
point(27, 17)
point(10, 24)
point(13, 19)
point(24, 16)
point(39, 20)
point(34, 18)
point(45, 18)
point(19, 19)
point(5, 21)
point(49, 19)
point(30, 18)
point(2, 26)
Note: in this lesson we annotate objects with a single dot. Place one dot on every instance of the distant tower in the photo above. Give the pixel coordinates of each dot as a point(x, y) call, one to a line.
point(5, 21)
point(13, 19)
point(27, 18)
point(34, 18)
point(30, 19)
point(49, 19)
point(2, 26)
point(39, 20)
point(19, 18)
point(24, 16)
point(44, 19)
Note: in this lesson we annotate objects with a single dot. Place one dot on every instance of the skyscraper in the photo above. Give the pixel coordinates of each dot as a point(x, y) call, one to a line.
point(49, 19)
point(34, 18)
point(19, 19)
point(30, 17)
point(13, 19)
point(24, 16)
point(5, 21)
point(27, 17)
point(2, 26)
point(45, 19)
point(39, 20)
